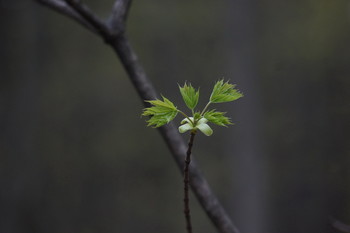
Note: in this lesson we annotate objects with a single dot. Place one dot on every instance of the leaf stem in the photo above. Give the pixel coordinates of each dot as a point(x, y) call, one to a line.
point(205, 108)
point(187, 182)
point(185, 115)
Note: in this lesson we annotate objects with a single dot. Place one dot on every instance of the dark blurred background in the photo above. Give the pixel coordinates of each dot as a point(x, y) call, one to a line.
point(76, 157)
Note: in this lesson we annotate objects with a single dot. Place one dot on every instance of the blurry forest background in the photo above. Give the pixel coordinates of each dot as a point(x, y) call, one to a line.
point(75, 156)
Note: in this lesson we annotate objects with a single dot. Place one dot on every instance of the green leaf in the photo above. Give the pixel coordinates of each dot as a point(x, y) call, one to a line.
point(197, 116)
point(161, 112)
point(217, 118)
point(224, 92)
point(189, 95)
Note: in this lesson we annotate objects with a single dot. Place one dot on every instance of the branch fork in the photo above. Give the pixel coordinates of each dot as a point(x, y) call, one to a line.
point(109, 29)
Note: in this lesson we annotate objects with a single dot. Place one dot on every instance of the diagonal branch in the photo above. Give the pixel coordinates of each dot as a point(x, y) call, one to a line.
point(113, 34)
point(340, 226)
point(199, 184)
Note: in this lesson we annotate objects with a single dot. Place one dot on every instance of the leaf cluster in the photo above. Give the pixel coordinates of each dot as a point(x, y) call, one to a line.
point(163, 111)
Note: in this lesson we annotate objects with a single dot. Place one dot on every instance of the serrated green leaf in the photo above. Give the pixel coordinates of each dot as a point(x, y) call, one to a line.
point(161, 112)
point(224, 92)
point(189, 95)
point(217, 118)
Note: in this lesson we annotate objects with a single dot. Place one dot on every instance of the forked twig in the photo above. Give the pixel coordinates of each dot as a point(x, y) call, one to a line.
point(113, 32)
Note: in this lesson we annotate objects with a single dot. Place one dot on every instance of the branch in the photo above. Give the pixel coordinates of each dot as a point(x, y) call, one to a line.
point(146, 91)
point(172, 138)
point(340, 226)
point(186, 183)
point(63, 8)
point(117, 19)
point(199, 184)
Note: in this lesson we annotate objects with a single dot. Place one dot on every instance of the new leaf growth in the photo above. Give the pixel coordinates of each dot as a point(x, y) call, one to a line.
point(163, 111)
point(189, 95)
point(224, 92)
point(217, 118)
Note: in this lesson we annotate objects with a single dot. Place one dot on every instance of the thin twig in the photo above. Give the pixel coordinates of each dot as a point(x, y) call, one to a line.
point(145, 89)
point(186, 184)
point(199, 184)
